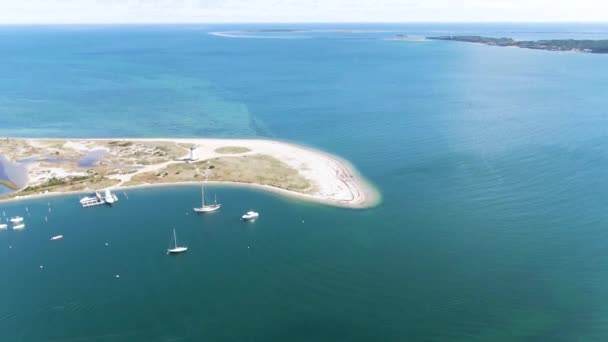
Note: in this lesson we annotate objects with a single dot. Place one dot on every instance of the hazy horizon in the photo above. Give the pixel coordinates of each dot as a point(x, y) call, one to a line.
point(290, 11)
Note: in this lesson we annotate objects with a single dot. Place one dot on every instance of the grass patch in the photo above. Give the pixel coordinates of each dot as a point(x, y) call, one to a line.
point(120, 143)
point(256, 169)
point(232, 150)
point(69, 184)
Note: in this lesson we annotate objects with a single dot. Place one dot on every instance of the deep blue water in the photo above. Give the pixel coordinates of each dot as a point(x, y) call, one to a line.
point(491, 163)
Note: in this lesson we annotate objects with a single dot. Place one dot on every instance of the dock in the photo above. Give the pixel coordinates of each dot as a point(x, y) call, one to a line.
point(98, 199)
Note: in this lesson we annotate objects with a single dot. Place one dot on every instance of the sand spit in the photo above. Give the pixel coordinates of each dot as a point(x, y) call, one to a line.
point(56, 166)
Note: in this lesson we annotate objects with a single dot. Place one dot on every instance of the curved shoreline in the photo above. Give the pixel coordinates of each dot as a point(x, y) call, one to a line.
point(337, 182)
point(372, 202)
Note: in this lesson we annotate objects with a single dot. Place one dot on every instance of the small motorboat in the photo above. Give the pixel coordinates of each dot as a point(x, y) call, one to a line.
point(19, 227)
point(57, 237)
point(17, 219)
point(87, 199)
point(3, 226)
point(250, 215)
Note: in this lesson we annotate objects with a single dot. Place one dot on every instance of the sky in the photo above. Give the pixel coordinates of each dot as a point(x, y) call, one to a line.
point(220, 11)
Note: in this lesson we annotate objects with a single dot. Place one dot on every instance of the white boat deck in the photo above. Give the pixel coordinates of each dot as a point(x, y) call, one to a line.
point(97, 200)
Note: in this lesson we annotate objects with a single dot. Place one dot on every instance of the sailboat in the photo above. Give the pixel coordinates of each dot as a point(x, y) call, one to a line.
point(209, 207)
point(176, 249)
point(17, 219)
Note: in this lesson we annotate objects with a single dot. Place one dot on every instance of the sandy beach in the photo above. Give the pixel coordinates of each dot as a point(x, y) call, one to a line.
point(283, 168)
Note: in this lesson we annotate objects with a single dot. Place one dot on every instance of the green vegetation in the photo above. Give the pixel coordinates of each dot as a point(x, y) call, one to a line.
point(591, 46)
point(255, 169)
point(120, 143)
point(68, 184)
point(232, 150)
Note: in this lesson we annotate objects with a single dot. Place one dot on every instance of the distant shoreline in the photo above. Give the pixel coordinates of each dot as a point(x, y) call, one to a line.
point(332, 180)
point(563, 45)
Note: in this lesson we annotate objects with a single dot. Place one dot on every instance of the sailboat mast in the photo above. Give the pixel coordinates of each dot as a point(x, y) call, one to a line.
point(203, 194)
point(175, 237)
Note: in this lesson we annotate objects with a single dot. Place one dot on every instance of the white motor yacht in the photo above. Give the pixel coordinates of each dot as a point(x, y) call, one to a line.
point(250, 215)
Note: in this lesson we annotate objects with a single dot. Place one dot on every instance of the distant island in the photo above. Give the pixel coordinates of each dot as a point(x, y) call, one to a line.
point(56, 166)
point(574, 45)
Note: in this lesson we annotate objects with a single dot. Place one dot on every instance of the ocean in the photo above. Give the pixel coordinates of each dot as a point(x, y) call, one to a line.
point(490, 161)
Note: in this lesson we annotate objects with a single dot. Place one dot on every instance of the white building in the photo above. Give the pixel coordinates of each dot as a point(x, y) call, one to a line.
point(193, 153)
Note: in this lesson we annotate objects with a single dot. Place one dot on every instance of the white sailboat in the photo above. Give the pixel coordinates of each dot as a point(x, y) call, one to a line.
point(17, 219)
point(19, 227)
point(176, 249)
point(3, 226)
point(209, 207)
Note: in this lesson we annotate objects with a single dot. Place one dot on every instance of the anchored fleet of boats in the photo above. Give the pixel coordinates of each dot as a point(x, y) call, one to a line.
point(109, 198)
point(17, 222)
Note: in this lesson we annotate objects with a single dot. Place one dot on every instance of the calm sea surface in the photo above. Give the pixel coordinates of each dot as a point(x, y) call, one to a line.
point(492, 163)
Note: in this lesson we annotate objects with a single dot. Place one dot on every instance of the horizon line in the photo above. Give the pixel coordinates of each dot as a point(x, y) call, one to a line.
point(292, 22)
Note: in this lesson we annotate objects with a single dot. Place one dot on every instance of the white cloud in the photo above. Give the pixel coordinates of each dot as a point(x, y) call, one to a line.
point(163, 11)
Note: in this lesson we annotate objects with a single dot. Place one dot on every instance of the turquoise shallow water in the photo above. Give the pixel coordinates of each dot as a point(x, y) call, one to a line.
point(490, 161)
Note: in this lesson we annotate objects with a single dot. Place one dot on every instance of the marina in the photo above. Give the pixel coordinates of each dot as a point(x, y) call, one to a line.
point(98, 199)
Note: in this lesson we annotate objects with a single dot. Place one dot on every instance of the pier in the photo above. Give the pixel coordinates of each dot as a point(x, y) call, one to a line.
point(109, 198)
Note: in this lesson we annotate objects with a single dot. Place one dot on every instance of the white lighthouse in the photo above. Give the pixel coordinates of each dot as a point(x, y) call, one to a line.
point(193, 153)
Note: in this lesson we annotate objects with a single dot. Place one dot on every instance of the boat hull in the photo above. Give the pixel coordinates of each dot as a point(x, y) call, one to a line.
point(207, 208)
point(250, 217)
point(177, 250)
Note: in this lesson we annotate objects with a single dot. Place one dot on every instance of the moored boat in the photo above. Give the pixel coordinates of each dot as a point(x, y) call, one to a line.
point(176, 249)
point(109, 197)
point(209, 207)
point(19, 227)
point(57, 237)
point(16, 219)
point(250, 215)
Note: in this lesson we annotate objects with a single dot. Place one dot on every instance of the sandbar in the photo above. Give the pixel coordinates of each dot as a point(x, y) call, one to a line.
point(62, 166)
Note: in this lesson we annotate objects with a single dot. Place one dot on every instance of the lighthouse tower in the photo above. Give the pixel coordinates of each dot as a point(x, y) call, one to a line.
point(193, 153)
